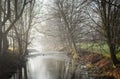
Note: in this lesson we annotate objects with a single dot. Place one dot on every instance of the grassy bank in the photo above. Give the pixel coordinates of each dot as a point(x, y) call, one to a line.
point(100, 48)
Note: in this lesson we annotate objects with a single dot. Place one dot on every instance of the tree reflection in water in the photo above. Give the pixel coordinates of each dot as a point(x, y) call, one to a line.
point(44, 67)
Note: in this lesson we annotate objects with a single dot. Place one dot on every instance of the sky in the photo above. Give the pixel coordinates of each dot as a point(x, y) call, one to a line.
point(38, 39)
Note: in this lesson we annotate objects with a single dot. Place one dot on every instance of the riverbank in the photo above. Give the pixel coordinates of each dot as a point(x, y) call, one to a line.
point(98, 66)
point(9, 63)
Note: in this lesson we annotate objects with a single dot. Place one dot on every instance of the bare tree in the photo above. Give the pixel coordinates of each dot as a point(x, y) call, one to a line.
point(109, 13)
point(71, 15)
point(10, 10)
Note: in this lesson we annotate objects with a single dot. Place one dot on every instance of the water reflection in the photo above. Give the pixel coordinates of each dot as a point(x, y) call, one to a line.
point(45, 67)
point(53, 66)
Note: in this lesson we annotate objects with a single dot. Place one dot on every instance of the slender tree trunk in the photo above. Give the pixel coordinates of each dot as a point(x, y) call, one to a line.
point(74, 46)
point(116, 62)
point(20, 73)
point(0, 42)
point(0, 30)
point(5, 43)
point(25, 72)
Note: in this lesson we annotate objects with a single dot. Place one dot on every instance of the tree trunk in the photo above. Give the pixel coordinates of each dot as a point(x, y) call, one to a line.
point(0, 30)
point(20, 73)
point(25, 71)
point(115, 61)
point(0, 42)
point(5, 43)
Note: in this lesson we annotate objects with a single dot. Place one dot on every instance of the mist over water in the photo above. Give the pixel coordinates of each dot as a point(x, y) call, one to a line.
point(45, 67)
point(49, 64)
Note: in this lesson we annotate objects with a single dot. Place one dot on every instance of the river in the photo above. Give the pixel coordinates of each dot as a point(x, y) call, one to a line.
point(46, 65)
point(51, 65)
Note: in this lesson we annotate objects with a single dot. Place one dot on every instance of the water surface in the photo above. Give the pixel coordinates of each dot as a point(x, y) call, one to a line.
point(46, 66)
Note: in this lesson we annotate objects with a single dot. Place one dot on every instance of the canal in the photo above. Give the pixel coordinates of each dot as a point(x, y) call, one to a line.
point(54, 65)
point(50, 65)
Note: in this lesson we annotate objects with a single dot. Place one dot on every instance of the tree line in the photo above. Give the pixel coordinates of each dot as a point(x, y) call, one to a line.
point(78, 21)
point(89, 20)
point(15, 24)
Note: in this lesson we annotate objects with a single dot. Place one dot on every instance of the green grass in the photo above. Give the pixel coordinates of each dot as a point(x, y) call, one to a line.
point(100, 47)
point(118, 56)
point(95, 47)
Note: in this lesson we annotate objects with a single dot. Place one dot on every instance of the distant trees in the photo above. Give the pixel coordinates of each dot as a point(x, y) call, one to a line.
point(70, 14)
